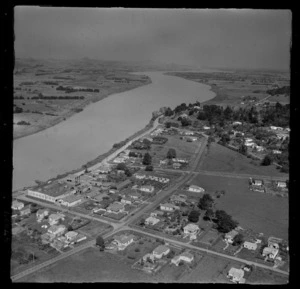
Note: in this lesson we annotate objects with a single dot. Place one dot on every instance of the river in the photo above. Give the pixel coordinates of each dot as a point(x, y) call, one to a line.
point(81, 138)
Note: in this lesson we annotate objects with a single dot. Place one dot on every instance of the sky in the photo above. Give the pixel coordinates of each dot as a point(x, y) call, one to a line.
point(224, 38)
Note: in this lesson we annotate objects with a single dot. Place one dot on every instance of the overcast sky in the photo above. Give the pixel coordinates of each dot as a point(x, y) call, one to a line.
point(213, 38)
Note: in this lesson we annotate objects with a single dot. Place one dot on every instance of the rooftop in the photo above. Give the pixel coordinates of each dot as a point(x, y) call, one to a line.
point(160, 249)
point(72, 198)
point(54, 189)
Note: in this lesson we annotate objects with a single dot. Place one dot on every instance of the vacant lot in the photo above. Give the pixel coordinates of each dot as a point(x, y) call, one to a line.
point(209, 270)
point(263, 213)
point(94, 228)
point(220, 158)
point(263, 276)
point(90, 265)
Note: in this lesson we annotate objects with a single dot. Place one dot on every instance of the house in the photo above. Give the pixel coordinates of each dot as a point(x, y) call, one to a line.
point(230, 236)
point(276, 152)
point(163, 162)
point(183, 115)
point(54, 218)
point(257, 182)
point(119, 160)
point(236, 123)
point(148, 256)
point(236, 275)
point(189, 133)
point(104, 169)
point(168, 207)
point(147, 189)
point(250, 245)
point(151, 221)
point(270, 252)
point(185, 257)
point(123, 241)
point(134, 195)
point(115, 208)
point(161, 251)
point(156, 213)
point(79, 238)
point(191, 229)
point(259, 148)
point(192, 138)
point(176, 165)
point(56, 231)
point(126, 201)
point(57, 244)
point(25, 211)
point(182, 161)
point(206, 127)
point(195, 189)
point(41, 214)
point(16, 205)
point(71, 236)
point(71, 201)
point(139, 176)
point(281, 184)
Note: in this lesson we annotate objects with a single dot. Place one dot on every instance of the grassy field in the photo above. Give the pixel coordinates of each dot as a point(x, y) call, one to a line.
point(263, 276)
point(261, 212)
point(90, 265)
point(220, 158)
point(209, 270)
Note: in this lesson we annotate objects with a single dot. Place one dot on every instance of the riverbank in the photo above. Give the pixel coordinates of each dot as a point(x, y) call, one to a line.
point(49, 121)
point(97, 160)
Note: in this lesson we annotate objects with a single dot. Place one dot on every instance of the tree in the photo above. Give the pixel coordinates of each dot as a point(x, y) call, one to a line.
point(209, 214)
point(205, 202)
point(243, 149)
point(100, 243)
point(266, 161)
point(238, 240)
point(147, 159)
point(171, 154)
point(121, 167)
point(149, 168)
point(70, 228)
point(224, 222)
point(185, 122)
point(193, 216)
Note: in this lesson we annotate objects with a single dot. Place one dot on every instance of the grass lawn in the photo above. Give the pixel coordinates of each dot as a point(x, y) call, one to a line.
point(93, 229)
point(210, 237)
point(260, 212)
point(90, 265)
point(209, 270)
point(220, 158)
point(264, 276)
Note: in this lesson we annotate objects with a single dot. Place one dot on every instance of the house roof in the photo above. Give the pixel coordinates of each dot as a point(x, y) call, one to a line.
point(160, 249)
point(72, 198)
point(187, 255)
point(231, 234)
point(54, 228)
point(195, 187)
point(54, 189)
point(168, 205)
point(191, 227)
point(152, 219)
point(236, 273)
point(147, 187)
point(115, 207)
point(124, 238)
point(71, 234)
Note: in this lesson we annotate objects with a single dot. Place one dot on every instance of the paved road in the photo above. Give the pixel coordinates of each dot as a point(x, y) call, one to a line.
point(211, 252)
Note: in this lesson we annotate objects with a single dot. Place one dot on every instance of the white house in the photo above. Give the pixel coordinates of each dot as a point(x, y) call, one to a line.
point(168, 207)
point(57, 230)
point(276, 152)
point(151, 221)
point(126, 201)
point(206, 127)
point(123, 241)
point(115, 208)
point(16, 205)
point(236, 123)
point(41, 214)
point(195, 189)
point(139, 176)
point(54, 218)
point(185, 257)
point(281, 184)
point(71, 236)
point(250, 245)
point(161, 251)
point(71, 201)
point(191, 229)
point(230, 236)
point(236, 275)
point(270, 252)
point(147, 189)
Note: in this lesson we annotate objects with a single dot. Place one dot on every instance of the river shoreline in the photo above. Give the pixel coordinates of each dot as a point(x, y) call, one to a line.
point(75, 110)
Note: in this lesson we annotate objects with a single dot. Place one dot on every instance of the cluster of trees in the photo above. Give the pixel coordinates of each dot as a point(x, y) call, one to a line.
point(22, 122)
point(168, 112)
point(147, 159)
point(18, 109)
point(278, 115)
point(281, 90)
point(171, 154)
point(171, 124)
point(180, 108)
point(100, 243)
point(69, 89)
point(159, 140)
point(57, 97)
point(124, 168)
point(144, 145)
point(26, 83)
point(224, 222)
point(19, 97)
point(194, 216)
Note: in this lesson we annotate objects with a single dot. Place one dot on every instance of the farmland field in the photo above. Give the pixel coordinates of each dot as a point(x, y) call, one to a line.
point(263, 213)
point(220, 158)
point(89, 265)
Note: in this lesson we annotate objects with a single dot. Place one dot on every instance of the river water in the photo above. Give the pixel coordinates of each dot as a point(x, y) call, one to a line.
point(81, 138)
